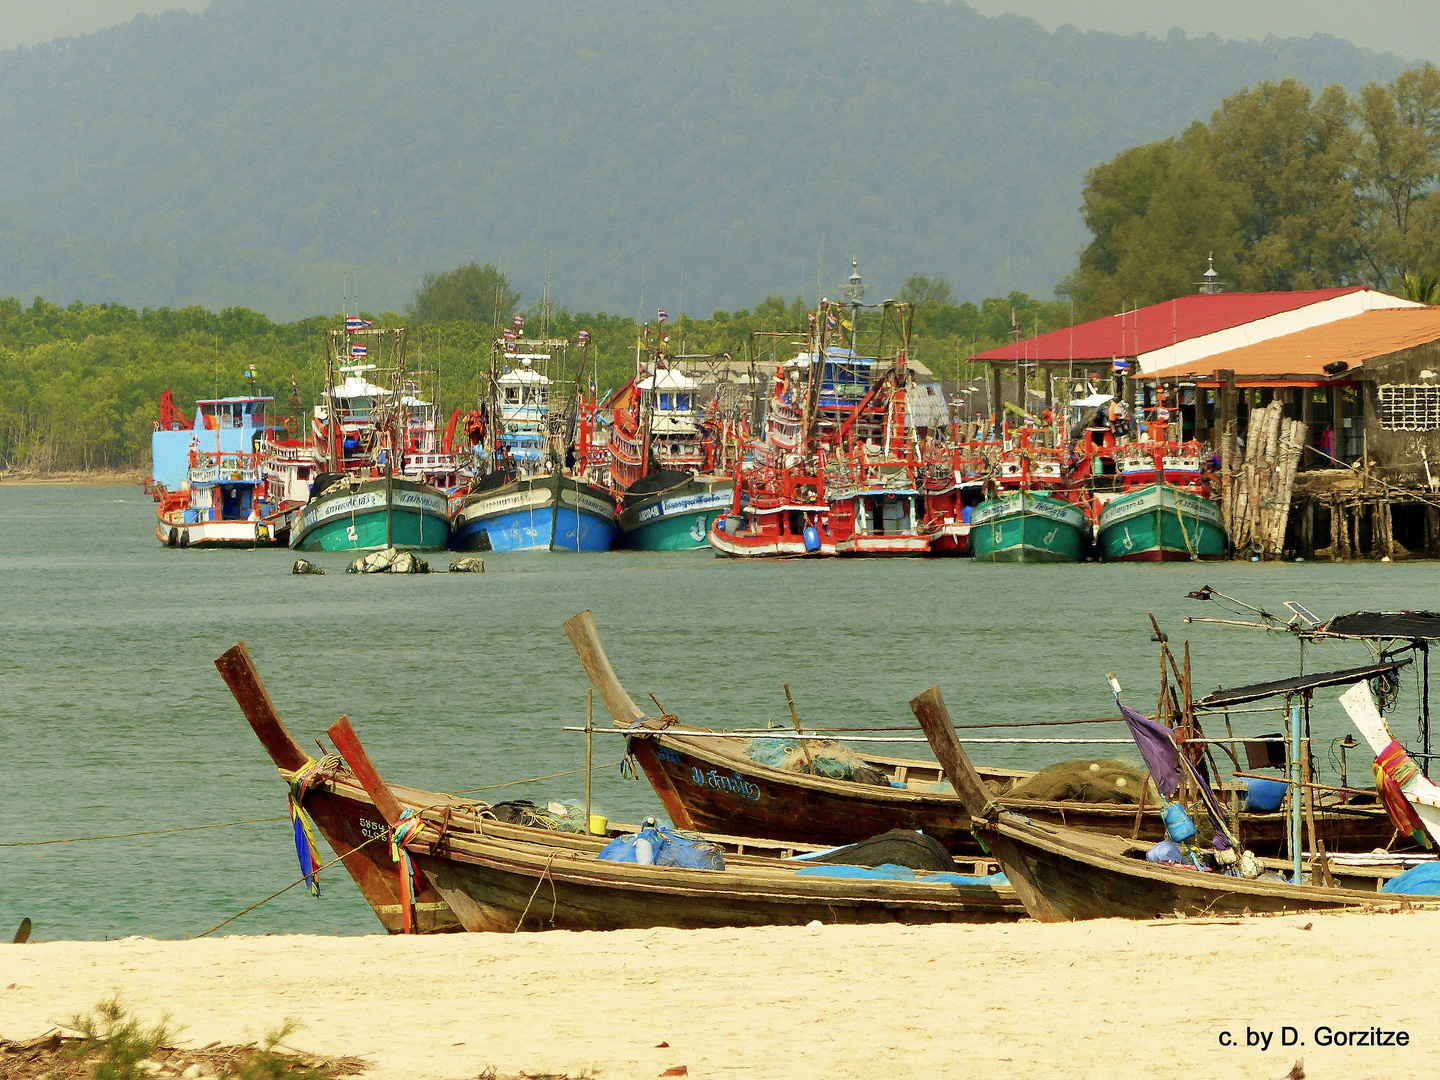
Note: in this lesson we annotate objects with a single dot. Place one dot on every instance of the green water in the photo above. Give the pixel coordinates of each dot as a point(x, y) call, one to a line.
point(113, 718)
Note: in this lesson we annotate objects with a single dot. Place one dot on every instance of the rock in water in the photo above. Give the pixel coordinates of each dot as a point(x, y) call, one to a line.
point(389, 561)
point(467, 564)
point(305, 566)
point(407, 562)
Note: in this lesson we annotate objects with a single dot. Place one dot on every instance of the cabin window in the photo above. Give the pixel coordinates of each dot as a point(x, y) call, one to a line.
point(512, 394)
point(303, 472)
point(664, 401)
point(682, 401)
point(1409, 407)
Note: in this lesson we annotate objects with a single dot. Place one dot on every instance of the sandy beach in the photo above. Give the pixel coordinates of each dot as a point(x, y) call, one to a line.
point(126, 477)
point(1097, 999)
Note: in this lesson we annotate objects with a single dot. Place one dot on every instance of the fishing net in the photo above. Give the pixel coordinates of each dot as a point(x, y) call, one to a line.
point(818, 757)
point(1103, 780)
point(557, 817)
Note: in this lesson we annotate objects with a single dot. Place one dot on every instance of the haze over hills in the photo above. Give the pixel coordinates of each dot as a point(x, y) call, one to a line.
point(259, 152)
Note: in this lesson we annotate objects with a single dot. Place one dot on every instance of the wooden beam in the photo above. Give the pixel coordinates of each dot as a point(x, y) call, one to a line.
point(342, 734)
point(585, 639)
point(238, 671)
point(929, 708)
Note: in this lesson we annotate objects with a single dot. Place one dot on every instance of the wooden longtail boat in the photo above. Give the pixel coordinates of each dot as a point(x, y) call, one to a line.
point(1063, 874)
point(709, 784)
point(495, 880)
point(494, 859)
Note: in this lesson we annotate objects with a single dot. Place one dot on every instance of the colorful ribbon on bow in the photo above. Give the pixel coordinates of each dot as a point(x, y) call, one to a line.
point(306, 849)
point(1393, 770)
point(408, 825)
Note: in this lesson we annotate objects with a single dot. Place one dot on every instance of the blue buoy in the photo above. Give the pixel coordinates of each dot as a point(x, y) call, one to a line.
point(1178, 825)
point(812, 539)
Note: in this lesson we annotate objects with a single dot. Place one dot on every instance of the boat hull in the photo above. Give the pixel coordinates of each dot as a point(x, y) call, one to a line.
point(522, 516)
point(354, 518)
point(1160, 523)
point(708, 784)
point(678, 519)
point(1027, 527)
point(1061, 880)
point(173, 532)
point(503, 887)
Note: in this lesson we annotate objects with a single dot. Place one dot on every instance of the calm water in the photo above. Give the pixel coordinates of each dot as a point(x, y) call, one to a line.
point(113, 718)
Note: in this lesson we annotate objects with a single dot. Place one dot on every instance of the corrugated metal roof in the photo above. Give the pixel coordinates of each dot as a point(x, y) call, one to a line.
point(1149, 328)
point(1354, 340)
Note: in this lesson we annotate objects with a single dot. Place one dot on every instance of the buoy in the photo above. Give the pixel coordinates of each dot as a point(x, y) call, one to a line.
point(811, 535)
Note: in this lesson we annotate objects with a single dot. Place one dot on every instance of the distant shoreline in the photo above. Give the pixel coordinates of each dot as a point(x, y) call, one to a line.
point(126, 477)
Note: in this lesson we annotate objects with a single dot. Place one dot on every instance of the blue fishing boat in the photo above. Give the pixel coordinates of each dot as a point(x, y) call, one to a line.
point(531, 494)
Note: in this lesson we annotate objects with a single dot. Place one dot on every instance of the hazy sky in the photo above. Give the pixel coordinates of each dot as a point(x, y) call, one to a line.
point(29, 22)
point(1408, 28)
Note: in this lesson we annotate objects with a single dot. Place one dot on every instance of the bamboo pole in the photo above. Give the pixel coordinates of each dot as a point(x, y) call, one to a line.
point(589, 750)
point(795, 719)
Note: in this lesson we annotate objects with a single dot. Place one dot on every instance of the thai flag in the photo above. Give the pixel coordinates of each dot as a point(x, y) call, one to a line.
point(830, 321)
point(509, 334)
point(1121, 367)
point(356, 323)
point(519, 322)
point(583, 337)
point(358, 351)
point(662, 314)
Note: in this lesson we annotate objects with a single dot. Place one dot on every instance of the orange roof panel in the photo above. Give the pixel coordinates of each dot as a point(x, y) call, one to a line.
point(1355, 340)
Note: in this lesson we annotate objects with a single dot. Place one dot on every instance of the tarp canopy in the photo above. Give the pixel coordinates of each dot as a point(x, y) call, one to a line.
point(1413, 625)
point(1225, 699)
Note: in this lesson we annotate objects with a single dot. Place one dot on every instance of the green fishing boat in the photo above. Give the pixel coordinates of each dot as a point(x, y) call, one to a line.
point(677, 518)
point(1027, 527)
point(1160, 523)
point(357, 515)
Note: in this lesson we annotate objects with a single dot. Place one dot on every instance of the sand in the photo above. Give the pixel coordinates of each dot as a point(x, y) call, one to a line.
point(127, 477)
point(1098, 999)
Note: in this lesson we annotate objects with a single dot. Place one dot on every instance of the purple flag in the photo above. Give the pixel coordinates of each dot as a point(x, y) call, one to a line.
point(1157, 747)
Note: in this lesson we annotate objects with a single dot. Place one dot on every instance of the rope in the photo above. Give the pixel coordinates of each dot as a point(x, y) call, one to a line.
point(536, 779)
point(545, 873)
point(298, 881)
point(143, 832)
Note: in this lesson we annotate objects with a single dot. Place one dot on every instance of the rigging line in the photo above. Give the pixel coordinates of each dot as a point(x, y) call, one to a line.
point(970, 727)
point(339, 858)
point(514, 783)
point(144, 832)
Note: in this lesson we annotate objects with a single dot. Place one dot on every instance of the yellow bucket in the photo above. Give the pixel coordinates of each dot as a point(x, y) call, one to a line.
point(599, 825)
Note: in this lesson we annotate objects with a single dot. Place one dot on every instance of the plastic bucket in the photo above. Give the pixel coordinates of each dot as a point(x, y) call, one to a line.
point(1264, 796)
point(599, 825)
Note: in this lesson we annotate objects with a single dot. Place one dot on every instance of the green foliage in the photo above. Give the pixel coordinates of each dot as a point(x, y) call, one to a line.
point(1284, 188)
point(275, 155)
point(117, 1042)
point(80, 386)
point(263, 1063)
point(919, 289)
point(1423, 287)
point(470, 293)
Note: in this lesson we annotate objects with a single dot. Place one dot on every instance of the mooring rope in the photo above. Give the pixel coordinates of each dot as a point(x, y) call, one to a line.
point(143, 832)
point(299, 881)
point(532, 780)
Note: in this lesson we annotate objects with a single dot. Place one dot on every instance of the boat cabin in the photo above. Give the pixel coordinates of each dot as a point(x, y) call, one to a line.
point(235, 425)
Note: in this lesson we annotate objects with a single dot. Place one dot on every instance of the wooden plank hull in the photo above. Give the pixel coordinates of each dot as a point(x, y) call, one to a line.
point(710, 785)
point(1062, 877)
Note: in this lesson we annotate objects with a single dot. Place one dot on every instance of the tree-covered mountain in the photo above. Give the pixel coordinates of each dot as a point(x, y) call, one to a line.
point(264, 153)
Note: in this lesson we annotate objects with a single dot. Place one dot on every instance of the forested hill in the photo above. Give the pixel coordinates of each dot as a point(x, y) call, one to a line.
point(258, 152)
